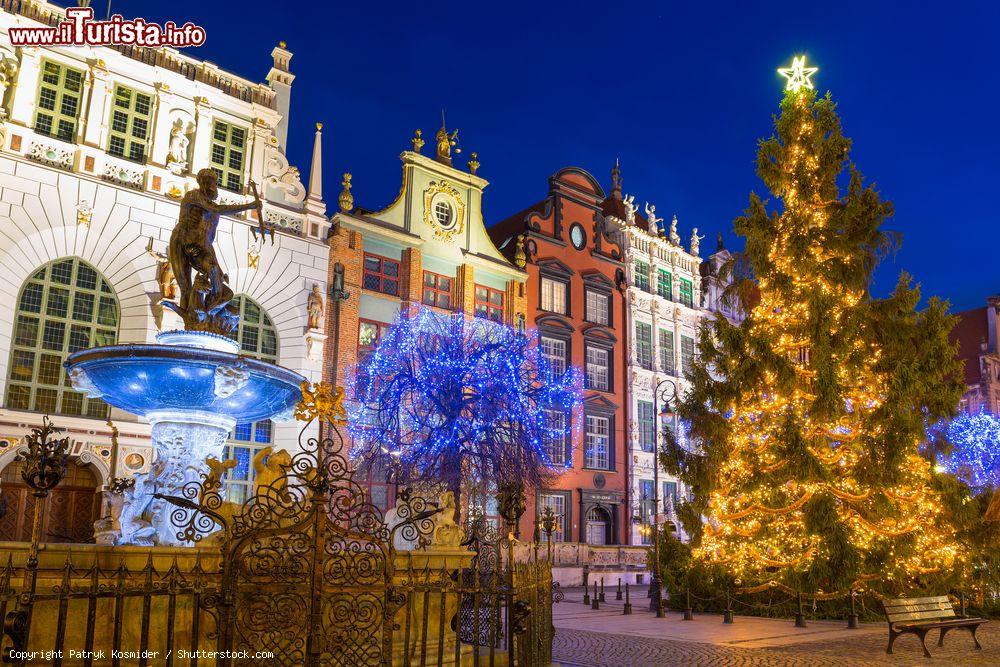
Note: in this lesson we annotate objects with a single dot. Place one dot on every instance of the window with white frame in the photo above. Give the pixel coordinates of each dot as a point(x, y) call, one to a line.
point(228, 152)
point(597, 375)
point(130, 120)
point(556, 502)
point(258, 339)
point(556, 437)
point(554, 352)
point(667, 363)
point(644, 344)
point(596, 309)
point(597, 441)
point(57, 108)
point(687, 353)
point(554, 295)
point(647, 422)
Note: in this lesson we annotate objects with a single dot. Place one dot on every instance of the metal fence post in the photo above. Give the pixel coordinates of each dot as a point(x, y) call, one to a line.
point(800, 617)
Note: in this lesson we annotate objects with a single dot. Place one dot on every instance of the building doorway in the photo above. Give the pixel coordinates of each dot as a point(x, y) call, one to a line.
point(598, 522)
point(70, 509)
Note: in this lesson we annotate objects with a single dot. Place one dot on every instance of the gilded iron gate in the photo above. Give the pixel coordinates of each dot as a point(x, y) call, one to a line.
point(306, 569)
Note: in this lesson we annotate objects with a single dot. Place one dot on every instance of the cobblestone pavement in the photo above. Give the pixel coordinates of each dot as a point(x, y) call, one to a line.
point(581, 648)
point(606, 638)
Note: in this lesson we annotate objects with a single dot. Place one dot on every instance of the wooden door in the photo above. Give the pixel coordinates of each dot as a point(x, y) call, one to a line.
point(69, 513)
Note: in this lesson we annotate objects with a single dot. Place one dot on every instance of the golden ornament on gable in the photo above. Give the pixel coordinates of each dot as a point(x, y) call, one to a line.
point(444, 210)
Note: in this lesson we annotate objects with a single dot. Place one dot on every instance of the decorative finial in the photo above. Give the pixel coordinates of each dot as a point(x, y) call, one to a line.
point(319, 127)
point(282, 44)
point(417, 141)
point(798, 75)
point(719, 243)
point(346, 199)
point(520, 257)
point(473, 163)
point(616, 182)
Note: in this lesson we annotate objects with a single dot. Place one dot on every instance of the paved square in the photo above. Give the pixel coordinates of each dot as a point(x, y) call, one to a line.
point(607, 638)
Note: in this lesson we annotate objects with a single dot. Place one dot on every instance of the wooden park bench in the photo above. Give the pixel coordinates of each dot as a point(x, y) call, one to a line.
point(921, 615)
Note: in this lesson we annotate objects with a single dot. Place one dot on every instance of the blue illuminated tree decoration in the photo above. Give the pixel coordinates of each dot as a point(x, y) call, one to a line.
point(445, 397)
point(975, 454)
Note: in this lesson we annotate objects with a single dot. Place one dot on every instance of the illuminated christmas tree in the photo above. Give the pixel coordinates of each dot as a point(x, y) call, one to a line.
point(809, 415)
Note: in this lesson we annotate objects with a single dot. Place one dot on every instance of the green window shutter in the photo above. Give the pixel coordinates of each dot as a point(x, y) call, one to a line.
point(664, 284)
point(59, 100)
point(228, 154)
point(131, 117)
point(687, 293)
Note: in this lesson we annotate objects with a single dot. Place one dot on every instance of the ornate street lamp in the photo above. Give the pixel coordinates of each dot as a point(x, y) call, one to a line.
point(656, 599)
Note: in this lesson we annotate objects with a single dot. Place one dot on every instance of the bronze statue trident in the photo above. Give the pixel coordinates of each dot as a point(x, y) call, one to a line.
point(261, 227)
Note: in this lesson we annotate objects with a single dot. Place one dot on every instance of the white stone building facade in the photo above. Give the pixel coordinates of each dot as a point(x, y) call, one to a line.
point(665, 308)
point(98, 146)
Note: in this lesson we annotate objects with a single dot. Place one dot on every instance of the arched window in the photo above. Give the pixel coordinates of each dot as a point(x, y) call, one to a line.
point(64, 307)
point(259, 340)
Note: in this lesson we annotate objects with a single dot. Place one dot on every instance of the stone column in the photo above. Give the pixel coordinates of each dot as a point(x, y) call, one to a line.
point(182, 441)
point(202, 134)
point(96, 116)
point(22, 103)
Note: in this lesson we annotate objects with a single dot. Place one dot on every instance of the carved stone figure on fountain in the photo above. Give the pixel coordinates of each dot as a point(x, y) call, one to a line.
point(136, 509)
point(205, 296)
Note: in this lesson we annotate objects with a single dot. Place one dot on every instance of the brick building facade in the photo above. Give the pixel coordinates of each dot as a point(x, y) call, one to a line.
point(428, 247)
point(575, 274)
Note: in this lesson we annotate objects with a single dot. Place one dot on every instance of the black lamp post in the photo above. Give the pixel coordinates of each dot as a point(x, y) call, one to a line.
point(656, 600)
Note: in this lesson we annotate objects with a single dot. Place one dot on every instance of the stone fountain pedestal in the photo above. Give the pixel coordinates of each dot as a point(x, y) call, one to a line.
point(193, 388)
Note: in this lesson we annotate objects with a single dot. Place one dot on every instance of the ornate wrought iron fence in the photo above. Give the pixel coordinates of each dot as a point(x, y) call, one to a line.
point(305, 572)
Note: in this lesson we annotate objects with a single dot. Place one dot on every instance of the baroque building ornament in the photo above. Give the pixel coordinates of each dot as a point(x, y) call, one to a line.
point(444, 210)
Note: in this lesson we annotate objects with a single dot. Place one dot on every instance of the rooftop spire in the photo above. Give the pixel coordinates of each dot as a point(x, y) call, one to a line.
point(616, 182)
point(314, 202)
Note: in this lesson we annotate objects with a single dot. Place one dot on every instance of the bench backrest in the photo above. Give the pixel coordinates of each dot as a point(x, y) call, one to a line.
point(903, 610)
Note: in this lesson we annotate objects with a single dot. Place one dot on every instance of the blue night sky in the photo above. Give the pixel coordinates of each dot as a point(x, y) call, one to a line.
point(679, 91)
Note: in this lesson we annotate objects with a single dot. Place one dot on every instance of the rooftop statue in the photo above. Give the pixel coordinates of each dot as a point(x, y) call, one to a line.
point(205, 296)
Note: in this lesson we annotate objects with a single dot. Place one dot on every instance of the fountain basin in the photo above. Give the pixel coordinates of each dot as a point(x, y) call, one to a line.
point(177, 376)
point(193, 387)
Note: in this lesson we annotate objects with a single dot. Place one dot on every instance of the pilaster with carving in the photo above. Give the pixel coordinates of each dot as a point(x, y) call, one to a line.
point(24, 93)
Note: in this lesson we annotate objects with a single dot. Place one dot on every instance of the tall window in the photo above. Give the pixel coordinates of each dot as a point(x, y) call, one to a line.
point(381, 274)
point(597, 307)
point(670, 493)
point(597, 374)
point(554, 295)
point(687, 353)
point(489, 303)
point(557, 439)
point(57, 109)
point(258, 340)
point(130, 120)
point(437, 290)
point(229, 145)
point(687, 293)
point(64, 307)
point(556, 502)
point(648, 507)
point(597, 454)
point(642, 275)
point(647, 422)
point(554, 351)
point(644, 344)
point(664, 284)
point(370, 333)
point(667, 352)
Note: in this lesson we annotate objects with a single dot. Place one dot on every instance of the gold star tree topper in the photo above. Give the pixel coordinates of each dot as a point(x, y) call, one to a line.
point(798, 74)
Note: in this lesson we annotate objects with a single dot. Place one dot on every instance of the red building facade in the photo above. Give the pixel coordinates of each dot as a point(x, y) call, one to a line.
point(574, 301)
